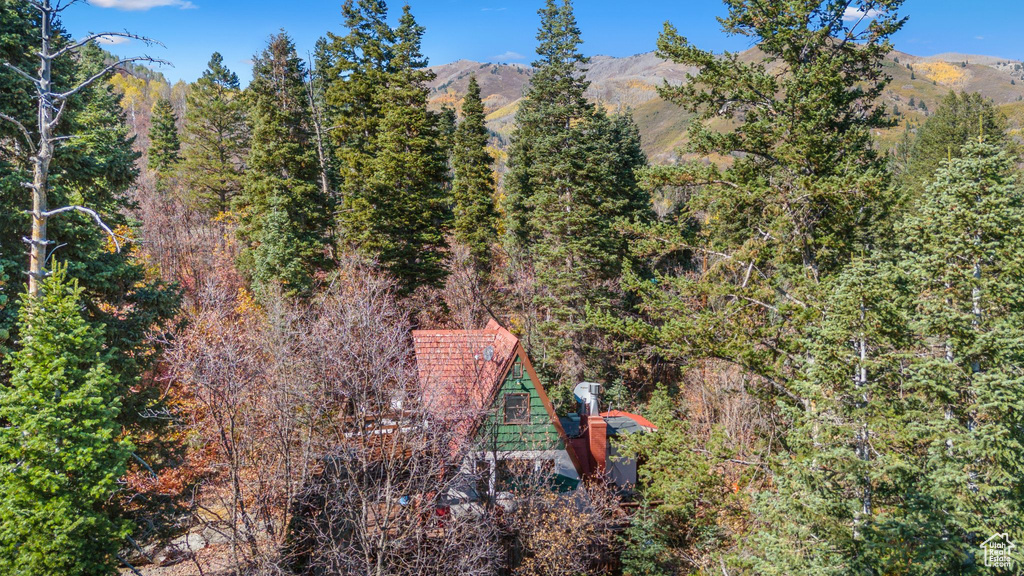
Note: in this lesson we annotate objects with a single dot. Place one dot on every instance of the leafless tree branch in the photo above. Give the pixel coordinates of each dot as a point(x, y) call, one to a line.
point(92, 79)
point(22, 129)
point(96, 36)
point(95, 216)
point(129, 566)
point(23, 74)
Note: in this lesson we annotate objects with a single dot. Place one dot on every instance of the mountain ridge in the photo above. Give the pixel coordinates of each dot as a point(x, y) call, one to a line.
point(631, 82)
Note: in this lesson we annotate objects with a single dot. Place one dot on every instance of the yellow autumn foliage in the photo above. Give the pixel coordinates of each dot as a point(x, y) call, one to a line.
point(943, 73)
point(449, 98)
point(138, 96)
point(506, 110)
point(245, 302)
point(133, 92)
point(125, 237)
point(640, 85)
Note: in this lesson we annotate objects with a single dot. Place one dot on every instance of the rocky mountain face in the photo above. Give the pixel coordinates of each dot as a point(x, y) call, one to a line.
point(631, 83)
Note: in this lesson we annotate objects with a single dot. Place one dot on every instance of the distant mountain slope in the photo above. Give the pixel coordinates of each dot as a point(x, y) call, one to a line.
point(631, 82)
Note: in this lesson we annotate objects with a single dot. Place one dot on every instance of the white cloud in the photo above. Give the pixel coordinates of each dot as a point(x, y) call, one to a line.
point(493, 9)
point(507, 56)
point(112, 40)
point(852, 14)
point(979, 37)
point(139, 5)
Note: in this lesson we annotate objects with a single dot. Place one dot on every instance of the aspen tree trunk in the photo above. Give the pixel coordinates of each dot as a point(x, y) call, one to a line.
point(863, 435)
point(949, 358)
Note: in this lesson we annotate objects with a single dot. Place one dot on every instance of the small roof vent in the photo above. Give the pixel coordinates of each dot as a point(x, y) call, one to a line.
point(489, 353)
point(587, 394)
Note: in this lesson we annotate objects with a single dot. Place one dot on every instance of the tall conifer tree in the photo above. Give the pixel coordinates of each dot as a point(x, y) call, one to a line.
point(215, 137)
point(284, 216)
point(388, 148)
point(957, 121)
point(755, 254)
point(553, 101)
point(570, 184)
point(121, 297)
point(476, 219)
point(410, 170)
point(95, 168)
point(741, 262)
point(965, 243)
point(61, 451)
point(909, 453)
point(847, 478)
point(355, 70)
point(164, 144)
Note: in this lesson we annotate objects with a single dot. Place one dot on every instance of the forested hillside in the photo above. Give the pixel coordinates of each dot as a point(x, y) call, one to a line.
point(797, 269)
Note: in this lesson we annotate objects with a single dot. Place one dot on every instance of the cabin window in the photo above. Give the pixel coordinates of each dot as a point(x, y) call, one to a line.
point(517, 370)
point(517, 408)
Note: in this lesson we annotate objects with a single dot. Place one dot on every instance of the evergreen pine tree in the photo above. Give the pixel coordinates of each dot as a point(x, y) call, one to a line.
point(570, 183)
point(847, 478)
point(645, 552)
point(957, 120)
point(122, 297)
point(909, 453)
point(164, 145)
point(61, 454)
point(965, 243)
point(553, 101)
point(215, 137)
point(19, 36)
point(744, 264)
point(476, 219)
point(96, 168)
point(409, 217)
point(355, 70)
point(284, 216)
point(740, 262)
point(388, 148)
point(447, 121)
point(679, 476)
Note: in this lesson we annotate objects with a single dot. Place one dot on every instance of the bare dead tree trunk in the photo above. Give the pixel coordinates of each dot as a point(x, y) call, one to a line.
point(51, 106)
point(41, 163)
point(316, 114)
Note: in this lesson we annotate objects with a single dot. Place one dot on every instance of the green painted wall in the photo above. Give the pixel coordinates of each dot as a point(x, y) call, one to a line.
point(539, 434)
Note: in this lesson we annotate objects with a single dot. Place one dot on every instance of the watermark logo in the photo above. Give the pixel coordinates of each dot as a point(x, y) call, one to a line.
point(998, 549)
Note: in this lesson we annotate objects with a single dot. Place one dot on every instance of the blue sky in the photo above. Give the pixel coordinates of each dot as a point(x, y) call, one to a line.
point(498, 30)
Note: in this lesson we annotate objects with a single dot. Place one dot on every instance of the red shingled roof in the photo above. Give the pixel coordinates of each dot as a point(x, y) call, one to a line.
point(455, 379)
point(459, 384)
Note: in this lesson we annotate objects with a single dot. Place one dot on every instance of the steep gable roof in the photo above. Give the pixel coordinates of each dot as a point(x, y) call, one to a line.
point(455, 376)
point(459, 383)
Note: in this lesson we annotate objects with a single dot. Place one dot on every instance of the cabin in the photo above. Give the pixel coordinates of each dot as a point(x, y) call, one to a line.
point(482, 383)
